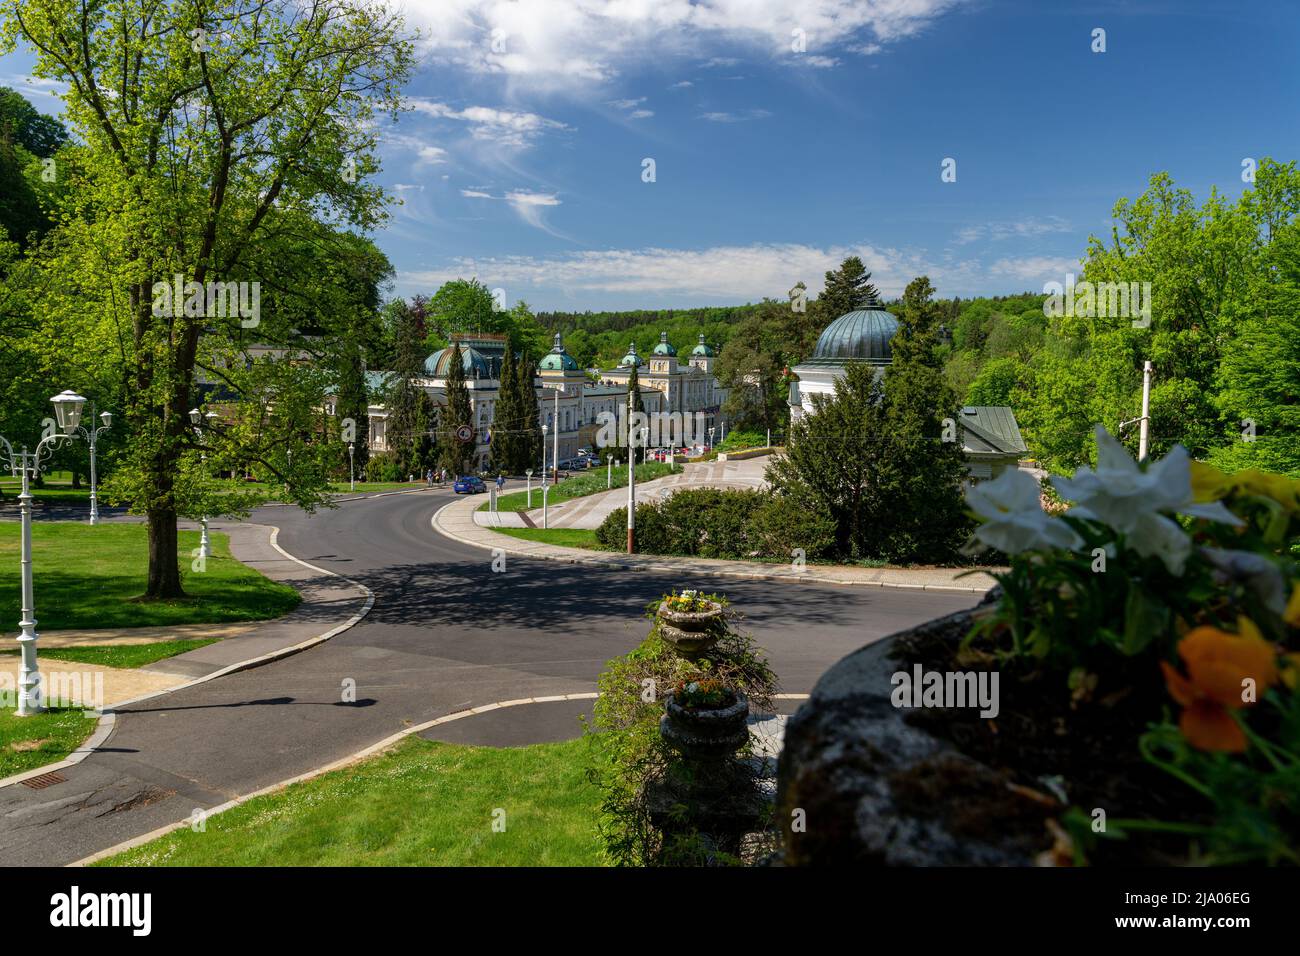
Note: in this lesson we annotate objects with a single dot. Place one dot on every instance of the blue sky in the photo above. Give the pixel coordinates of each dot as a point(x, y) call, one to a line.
point(521, 160)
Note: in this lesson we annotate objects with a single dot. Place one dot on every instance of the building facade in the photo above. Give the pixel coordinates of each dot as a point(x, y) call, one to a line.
point(567, 396)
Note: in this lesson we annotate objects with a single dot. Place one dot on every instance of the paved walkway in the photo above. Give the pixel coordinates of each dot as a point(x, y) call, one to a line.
point(591, 510)
point(456, 521)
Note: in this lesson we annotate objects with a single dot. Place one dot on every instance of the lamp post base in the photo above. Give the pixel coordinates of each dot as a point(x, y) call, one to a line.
point(631, 541)
point(30, 698)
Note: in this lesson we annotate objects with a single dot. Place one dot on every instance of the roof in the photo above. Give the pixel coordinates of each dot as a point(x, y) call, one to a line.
point(702, 348)
point(471, 360)
point(664, 348)
point(631, 358)
point(558, 359)
point(862, 335)
point(991, 430)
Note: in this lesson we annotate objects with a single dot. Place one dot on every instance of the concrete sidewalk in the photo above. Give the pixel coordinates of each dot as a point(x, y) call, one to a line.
point(456, 521)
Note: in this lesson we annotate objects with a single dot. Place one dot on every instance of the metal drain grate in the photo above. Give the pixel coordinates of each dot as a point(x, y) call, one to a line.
point(45, 780)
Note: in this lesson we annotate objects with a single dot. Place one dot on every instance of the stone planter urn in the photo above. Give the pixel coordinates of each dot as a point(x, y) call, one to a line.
point(705, 733)
point(691, 633)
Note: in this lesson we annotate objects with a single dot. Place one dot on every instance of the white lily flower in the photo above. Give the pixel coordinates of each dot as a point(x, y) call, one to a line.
point(1013, 516)
point(1126, 498)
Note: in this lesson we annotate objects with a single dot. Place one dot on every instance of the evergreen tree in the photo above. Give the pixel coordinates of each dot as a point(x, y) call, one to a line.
point(530, 450)
point(848, 288)
point(354, 403)
point(506, 420)
point(454, 454)
point(918, 506)
point(832, 455)
point(408, 423)
point(635, 403)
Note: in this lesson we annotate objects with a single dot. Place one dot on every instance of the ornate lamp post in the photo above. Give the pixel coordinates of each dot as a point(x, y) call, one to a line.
point(352, 465)
point(528, 474)
point(545, 428)
point(91, 435)
point(197, 419)
point(609, 471)
point(67, 411)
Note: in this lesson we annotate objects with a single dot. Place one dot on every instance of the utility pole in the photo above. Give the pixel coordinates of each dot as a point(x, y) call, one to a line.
point(1145, 427)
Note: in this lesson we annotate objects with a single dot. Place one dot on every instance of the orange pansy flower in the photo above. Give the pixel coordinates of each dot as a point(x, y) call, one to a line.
point(1218, 664)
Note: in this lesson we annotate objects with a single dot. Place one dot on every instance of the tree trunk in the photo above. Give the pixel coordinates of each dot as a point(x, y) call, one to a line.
point(164, 571)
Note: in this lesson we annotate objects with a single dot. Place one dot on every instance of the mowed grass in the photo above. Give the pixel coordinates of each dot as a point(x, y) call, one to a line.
point(584, 483)
point(29, 742)
point(57, 486)
point(567, 537)
point(124, 655)
point(93, 577)
point(422, 803)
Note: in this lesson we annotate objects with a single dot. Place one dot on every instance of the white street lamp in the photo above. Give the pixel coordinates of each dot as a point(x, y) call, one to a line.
point(352, 465)
point(92, 435)
point(609, 471)
point(528, 474)
point(545, 428)
point(197, 418)
point(67, 411)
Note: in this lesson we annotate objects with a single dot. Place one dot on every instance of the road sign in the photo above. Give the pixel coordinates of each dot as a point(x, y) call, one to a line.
point(464, 433)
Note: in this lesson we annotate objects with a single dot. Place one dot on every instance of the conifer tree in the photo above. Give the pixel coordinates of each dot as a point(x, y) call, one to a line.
point(456, 455)
point(848, 288)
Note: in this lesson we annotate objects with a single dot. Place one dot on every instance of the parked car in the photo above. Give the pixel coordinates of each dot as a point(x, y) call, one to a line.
point(469, 485)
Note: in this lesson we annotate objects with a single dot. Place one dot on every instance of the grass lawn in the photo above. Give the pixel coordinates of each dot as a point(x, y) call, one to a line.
point(568, 537)
point(92, 577)
point(584, 483)
point(57, 487)
point(125, 655)
point(422, 803)
point(27, 742)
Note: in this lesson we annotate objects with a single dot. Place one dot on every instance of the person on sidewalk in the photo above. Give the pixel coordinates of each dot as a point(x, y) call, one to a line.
point(501, 483)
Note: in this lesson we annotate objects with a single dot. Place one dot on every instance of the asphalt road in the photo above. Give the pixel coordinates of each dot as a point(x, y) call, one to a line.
point(446, 633)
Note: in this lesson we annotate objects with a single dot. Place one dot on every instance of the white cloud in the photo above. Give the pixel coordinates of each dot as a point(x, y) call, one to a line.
point(407, 187)
point(504, 127)
point(574, 42)
point(682, 85)
point(431, 155)
point(627, 104)
point(528, 205)
point(731, 273)
point(641, 114)
point(1029, 228)
point(1035, 269)
point(724, 117)
point(817, 62)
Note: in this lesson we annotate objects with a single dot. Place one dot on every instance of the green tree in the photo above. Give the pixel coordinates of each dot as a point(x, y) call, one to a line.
point(455, 454)
point(40, 135)
point(407, 403)
point(847, 289)
point(916, 486)
point(207, 131)
point(752, 367)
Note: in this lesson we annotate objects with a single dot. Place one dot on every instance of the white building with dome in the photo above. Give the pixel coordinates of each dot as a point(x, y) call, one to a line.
point(991, 439)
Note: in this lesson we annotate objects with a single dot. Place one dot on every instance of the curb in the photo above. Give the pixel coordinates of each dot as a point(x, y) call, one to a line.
point(675, 565)
point(345, 762)
point(108, 720)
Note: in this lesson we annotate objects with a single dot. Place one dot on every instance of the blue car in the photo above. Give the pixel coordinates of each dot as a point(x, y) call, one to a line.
point(469, 485)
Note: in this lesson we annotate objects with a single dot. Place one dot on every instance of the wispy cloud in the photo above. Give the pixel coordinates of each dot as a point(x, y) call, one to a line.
point(529, 205)
point(504, 127)
point(1012, 229)
point(726, 117)
point(1035, 269)
point(720, 273)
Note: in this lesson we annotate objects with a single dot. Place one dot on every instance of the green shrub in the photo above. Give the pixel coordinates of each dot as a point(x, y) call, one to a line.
point(783, 523)
point(711, 522)
point(384, 467)
point(651, 532)
point(625, 727)
point(737, 440)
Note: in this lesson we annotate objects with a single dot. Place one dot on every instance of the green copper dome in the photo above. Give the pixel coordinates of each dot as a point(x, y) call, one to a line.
point(862, 335)
point(472, 361)
point(663, 348)
point(631, 358)
point(702, 349)
point(557, 359)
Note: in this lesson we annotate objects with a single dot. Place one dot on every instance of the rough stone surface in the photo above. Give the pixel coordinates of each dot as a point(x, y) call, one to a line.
point(876, 790)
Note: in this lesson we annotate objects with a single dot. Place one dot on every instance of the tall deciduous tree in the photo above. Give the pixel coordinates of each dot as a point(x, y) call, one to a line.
point(207, 127)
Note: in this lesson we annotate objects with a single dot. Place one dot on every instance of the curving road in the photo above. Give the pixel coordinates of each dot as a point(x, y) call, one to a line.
point(446, 633)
